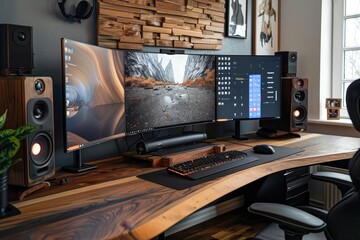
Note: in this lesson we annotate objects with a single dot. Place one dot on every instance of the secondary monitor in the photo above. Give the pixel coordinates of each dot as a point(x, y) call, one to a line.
point(248, 87)
point(164, 90)
point(94, 94)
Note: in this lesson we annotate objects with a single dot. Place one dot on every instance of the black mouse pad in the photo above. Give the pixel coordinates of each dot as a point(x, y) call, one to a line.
point(171, 180)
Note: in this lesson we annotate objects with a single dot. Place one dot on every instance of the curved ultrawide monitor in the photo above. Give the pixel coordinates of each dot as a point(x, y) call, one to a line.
point(248, 87)
point(168, 90)
point(94, 94)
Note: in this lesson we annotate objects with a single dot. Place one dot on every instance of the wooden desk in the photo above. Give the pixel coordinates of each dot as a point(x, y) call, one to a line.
point(112, 202)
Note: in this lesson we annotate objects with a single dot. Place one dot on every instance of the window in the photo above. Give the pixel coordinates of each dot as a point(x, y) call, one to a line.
point(346, 47)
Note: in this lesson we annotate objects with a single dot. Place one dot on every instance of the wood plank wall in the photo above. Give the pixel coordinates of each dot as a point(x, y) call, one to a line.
point(131, 24)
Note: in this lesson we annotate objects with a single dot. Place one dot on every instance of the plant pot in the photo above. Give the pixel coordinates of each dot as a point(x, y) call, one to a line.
point(6, 209)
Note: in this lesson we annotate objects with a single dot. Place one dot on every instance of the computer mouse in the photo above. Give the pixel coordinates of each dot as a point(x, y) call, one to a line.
point(264, 149)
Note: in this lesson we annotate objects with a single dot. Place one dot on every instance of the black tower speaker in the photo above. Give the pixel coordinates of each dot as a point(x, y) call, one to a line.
point(16, 50)
point(293, 109)
point(29, 101)
point(289, 63)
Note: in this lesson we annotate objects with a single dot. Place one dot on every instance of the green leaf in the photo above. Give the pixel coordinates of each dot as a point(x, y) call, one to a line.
point(24, 131)
point(3, 119)
point(4, 134)
point(9, 149)
point(10, 143)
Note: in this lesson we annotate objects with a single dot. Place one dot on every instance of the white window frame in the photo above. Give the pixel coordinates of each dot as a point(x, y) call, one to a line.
point(338, 53)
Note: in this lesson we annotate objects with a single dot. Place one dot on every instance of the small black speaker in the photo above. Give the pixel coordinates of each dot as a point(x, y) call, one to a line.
point(16, 50)
point(289, 63)
point(294, 105)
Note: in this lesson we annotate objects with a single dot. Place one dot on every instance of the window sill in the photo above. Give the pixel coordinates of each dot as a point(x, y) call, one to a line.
point(340, 122)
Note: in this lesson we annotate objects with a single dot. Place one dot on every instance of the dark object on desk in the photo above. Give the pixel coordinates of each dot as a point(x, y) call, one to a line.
point(78, 165)
point(268, 133)
point(163, 177)
point(263, 149)
point(64, 181)
point(211, 164)
point(342, 220)
point(167, 142)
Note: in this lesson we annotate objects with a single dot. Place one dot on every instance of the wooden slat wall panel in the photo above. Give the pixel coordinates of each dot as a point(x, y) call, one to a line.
point(131, 24)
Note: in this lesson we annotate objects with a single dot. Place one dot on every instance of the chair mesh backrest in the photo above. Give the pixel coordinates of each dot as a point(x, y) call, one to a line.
point(353, 106)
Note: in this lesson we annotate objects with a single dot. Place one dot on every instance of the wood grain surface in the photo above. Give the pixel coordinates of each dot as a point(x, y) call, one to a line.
point(142, 21)
point(112, 203)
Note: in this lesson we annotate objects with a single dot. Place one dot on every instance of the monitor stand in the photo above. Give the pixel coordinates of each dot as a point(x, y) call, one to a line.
point(269, 133)
point(237, 134)
point(78, 166)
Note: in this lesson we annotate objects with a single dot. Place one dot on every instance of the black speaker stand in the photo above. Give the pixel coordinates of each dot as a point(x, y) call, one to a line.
point(78, 166)
point(268, 133)
point(237, 134)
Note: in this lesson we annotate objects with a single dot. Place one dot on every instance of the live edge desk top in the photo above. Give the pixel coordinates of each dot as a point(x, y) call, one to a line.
point(112, 203)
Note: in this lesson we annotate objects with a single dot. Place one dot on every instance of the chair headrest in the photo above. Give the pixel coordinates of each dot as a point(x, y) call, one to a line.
point(353, 107)
point(354, 169)
point(353, 103)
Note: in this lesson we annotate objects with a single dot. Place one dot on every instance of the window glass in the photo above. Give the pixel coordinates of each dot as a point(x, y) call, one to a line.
point(346, 49)
point(352, 64)
point(352, 7)
point(352, 29)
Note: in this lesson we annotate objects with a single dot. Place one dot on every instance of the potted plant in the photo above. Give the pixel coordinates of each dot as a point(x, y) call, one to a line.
point(10, 141)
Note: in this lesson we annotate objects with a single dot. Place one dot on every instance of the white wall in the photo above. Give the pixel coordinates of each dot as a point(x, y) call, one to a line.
point(301, 31)
point(306, 28)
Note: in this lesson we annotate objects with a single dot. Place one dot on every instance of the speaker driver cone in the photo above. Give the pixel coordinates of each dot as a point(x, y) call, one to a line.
point(293, 57)
point(299, 113)
point(40, 111)
point(41, 148)
point(299, 96)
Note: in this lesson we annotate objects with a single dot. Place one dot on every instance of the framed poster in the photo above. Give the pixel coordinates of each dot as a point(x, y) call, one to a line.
point(266, 29)
point(236, 20)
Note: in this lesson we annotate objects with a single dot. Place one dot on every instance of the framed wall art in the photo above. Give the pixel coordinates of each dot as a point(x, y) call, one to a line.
point(333, 103)
point(266, 30)
point(333, 106)
point(236, 18)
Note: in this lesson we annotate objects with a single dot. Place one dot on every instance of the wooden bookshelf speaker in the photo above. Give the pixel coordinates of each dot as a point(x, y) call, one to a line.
point(29, 101)
point(293, 107)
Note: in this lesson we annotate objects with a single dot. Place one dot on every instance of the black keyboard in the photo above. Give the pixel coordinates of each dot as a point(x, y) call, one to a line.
point(211, 164)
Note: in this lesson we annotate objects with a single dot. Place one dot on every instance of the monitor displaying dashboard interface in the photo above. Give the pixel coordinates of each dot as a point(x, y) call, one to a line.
point(110, 93)
point(248, 87)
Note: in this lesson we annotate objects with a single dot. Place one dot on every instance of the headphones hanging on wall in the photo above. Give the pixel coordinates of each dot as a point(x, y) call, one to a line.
point(83, 11)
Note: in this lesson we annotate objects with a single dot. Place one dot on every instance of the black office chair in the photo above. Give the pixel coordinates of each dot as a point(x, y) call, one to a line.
point(342, 221)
